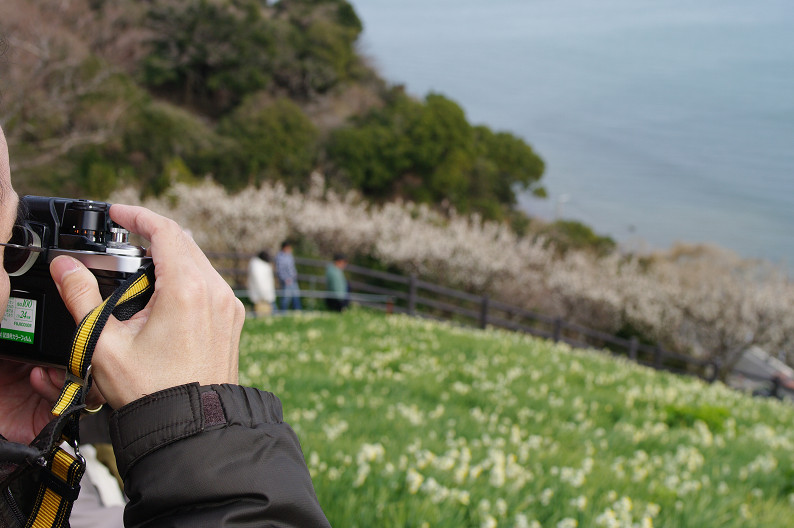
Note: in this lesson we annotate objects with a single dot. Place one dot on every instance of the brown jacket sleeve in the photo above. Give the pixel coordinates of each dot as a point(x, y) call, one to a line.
point(216, 455)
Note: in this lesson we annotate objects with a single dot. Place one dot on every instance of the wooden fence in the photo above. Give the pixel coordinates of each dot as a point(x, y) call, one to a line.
point(410, 295)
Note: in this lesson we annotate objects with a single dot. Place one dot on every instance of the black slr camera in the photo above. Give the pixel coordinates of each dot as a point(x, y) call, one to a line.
point(36, 327)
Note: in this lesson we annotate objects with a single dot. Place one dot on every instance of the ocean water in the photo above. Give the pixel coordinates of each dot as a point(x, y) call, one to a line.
point(659, 121)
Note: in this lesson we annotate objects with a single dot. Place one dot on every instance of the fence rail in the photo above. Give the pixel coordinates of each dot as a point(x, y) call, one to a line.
point(410, 295)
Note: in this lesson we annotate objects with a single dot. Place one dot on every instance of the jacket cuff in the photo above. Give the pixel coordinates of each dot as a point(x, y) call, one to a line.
point(157, 420)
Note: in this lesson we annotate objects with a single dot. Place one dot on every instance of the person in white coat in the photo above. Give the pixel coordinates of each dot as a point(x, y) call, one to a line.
point(261, 285)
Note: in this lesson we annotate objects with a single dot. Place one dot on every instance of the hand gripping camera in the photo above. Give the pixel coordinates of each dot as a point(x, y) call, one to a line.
point(36, 326)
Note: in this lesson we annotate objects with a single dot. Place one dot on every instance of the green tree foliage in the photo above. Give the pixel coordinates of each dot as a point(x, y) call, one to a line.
point(213, 53)
point(95, 175)
point(514, 164)
point(158, 144)
point(210, 51)
point(428, 152)
point(272, 140)
point(315, 45)
point(161, 144)
point(566, 235)
point(60, 115)
point(159, 131)
point(243, 91)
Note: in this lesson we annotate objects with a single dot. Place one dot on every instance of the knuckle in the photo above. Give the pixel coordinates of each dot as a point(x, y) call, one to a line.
point(239, 308)
point(227, 300)
point(228, 304)
point(192, 294)
point(79, 287)
point(172, 227)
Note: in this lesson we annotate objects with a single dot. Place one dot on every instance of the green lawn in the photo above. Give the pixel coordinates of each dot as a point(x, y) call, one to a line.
point(410, 423)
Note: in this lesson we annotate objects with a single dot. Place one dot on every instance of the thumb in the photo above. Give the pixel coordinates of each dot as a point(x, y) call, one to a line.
point(77, 286)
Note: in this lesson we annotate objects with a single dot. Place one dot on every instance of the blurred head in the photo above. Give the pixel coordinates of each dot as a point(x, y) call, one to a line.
point(286, 246)
point(264, 255)
point(8, 212)
point(340, 260)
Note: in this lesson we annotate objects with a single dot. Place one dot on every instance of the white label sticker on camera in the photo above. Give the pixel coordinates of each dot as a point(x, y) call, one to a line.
point(19, 321)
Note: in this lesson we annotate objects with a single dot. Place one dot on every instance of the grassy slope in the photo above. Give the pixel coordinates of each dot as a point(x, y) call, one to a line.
point(411, 423)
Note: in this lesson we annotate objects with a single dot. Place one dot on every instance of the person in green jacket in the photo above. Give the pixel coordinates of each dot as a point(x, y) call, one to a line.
point(338, 289)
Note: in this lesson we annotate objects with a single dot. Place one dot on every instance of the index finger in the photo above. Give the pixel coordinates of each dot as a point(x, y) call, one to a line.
point(143, 221)
point(169, 242)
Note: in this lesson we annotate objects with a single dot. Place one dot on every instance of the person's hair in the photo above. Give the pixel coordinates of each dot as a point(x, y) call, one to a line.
point(264, 255)
point(339, 256)
point(286, 243)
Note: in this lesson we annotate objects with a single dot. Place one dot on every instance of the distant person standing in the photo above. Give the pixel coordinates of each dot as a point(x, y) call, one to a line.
point(288, 276)
point(261, 284)
point(336, 283)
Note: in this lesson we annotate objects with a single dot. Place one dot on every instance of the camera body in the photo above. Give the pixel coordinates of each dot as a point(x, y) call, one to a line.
point(37, 327)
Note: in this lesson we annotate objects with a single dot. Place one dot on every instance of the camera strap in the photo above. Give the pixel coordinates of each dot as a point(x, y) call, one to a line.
point(59, 480)
point(124, 302)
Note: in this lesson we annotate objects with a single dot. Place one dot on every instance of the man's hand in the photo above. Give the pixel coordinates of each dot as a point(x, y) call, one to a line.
point(27, 394)
point(188, 332)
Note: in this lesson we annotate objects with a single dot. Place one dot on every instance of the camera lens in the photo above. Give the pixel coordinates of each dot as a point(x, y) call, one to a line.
point(85, 219)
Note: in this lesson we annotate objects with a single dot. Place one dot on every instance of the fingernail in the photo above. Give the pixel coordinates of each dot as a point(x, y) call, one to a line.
point(62, 267)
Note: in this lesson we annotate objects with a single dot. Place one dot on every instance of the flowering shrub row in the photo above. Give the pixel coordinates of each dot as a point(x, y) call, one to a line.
point(703, 301)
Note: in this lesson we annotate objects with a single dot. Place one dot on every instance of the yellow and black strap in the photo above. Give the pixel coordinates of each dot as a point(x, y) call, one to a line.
point(60, 484)
point(128, 299)
point(58, 490)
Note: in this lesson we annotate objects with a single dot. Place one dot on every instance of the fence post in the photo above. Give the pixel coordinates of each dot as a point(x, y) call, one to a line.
point(633, 344)
point(657, 357)
point(412, 294)
point(237, 259)
point(484, 312)
point(711, 371)
point(557, 329)
point(775, 391)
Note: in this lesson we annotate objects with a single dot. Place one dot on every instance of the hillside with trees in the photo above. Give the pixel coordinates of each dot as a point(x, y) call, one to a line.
point(225, 114)
point(99, 95)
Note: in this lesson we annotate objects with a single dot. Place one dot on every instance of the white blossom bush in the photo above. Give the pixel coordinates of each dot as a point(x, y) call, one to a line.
point(702, 301)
